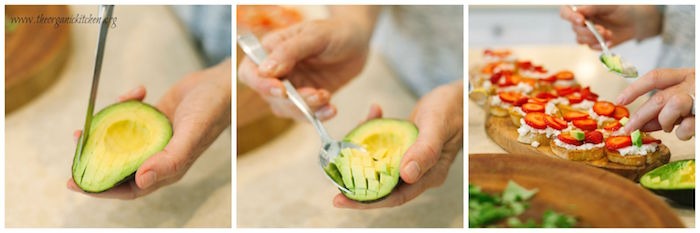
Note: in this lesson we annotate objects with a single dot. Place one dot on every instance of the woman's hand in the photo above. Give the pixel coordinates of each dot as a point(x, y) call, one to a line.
point(670, 106)
point(439, 118)
point(318, 57)
point(199, 107)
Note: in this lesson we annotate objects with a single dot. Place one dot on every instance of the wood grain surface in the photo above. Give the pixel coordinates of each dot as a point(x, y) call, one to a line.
point(504, 133)
point(34, 53)
point(595, 197)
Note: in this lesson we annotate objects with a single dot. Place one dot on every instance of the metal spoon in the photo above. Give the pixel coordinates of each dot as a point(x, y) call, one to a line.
point(619, 67)
point(330, 148)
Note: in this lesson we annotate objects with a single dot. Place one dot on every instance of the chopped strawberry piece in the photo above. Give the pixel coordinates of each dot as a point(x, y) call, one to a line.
point(522, 100)
point(550, 79)
point(617, 142)
point(612, 125)
point(525, 65)
point(620, 112)
point(545, 95)
point(587, 94)
point(509, 96)
point(540, 69)
point(574, 98)
point(532, 107)
point(498, 76)
point(604, 108)
point(538, 100)
point(568, 139)
point(564, 75)
point(555, 123)
point(536, 120)
point(594, 137)
point(575, 115)
point(586, 124)
point(564, 90)
point(649, 139)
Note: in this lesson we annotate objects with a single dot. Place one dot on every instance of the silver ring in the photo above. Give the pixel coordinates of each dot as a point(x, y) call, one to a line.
point(692, 108)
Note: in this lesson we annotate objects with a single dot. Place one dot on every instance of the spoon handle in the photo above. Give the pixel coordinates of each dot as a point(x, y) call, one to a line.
point(255, 51)
point(597, 35)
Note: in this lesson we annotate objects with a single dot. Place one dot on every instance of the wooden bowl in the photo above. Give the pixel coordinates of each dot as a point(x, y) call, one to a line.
point(595, 197)
point(34, 54)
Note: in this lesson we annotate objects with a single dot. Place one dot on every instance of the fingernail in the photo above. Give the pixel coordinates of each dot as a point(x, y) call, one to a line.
point(149, 178)
point(412, 170)
point(276, 92)
point(268, 66)
point(313, 99)
point(325, 112)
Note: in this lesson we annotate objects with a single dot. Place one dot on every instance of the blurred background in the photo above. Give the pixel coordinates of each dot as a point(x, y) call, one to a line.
point(540, 25)
point(47, 84)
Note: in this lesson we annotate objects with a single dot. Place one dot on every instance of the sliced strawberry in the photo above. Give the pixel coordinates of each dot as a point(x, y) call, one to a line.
point(574, 98)
point(620, 112)
point(555, 123)
point(522, 100)
point(528, 81)
point(649, 139)
point(508, 79)
point(575, 115)
point(537, 100)
point(536, 120)
point(564, 90)
point(509, 96)
point(617, 142)
point(594, 137)
point(604, 108)
point(540, 69)
point(564, 75)
point(525, 65)
point(550, 79)
point(568, 139)
point(586, 124)
point(545, 95)
point(532, 107)
point(587, 94)
point(612, 125)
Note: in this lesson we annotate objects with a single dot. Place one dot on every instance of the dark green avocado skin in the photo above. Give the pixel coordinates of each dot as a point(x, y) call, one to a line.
point(685, 197)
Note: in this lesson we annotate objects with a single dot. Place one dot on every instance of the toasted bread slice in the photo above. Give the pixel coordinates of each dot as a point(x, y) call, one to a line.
point(531, 137)
point(515, 117)
point(578, 155)
point(498, 111)
point(631, 160)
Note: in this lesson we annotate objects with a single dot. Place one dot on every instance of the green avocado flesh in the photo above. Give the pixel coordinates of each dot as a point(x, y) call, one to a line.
point(373, 174)
point(675, 181)
point(121, 137)
point(614, 63)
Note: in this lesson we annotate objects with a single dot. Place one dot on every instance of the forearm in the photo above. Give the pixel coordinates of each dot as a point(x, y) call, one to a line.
point(362, 17)
point(648, 21)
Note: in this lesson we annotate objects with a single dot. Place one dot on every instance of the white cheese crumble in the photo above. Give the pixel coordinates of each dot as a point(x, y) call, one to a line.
point(533, 74)
point(583, 105)
point(535, 144)
point(566, 83)
point(585, 146)
point(521, 87)
point(599, 118)
point(642, 150)
point(496, 101)
point(525, 129)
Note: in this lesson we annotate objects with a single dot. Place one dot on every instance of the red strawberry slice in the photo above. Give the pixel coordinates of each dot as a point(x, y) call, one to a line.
point(575, 115)
point(594, 137)
point(536, 120)
point(540, 69)
point(545, 95)
point(564, 75)
point(574, 98)
point(509, 96)
point(586, 124)
point(522, 100)
point(617, 142)
point(532, 107)
point(649, 139)
point(550, 79)
point(537, 100)
point(587, 94)
point(612, 125)
point(568, 139)
point(525, 65)
point(621, 112)
point(604, 108)
point(555, 123)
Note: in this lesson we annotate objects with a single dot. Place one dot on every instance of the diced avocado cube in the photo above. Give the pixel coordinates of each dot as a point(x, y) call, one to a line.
point(370, 173)
point(373, 185)
point(636, 138)
point(624, 120)
point(381, 166)
point(343, 164)
point(578, 135)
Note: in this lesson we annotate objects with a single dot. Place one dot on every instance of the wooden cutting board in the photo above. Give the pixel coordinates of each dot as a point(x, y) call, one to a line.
point(34, 53)
point(595, 197)
point(502, 131)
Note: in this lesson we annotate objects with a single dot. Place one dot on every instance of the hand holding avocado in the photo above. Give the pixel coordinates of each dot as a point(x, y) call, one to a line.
point(438, 116)
point(199, 107)
point(670, 106)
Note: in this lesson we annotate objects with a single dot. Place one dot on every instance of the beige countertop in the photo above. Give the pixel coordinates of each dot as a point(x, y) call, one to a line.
point(281, 184)
point(585, 64)
point(147, 47)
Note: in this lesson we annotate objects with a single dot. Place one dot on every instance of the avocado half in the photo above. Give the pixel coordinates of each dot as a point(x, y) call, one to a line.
point(121, 137)
point(675, 181)
point(372, 174)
